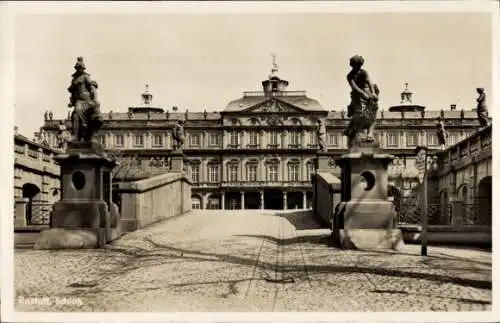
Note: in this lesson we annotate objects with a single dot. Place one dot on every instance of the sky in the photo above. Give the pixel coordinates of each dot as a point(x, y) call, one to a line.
point(203, 61)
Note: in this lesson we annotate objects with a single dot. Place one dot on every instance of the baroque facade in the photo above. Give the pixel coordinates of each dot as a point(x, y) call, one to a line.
point(260, 151)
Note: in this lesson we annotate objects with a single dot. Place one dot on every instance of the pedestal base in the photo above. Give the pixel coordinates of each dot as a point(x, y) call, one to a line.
point(69, 239)
point(369, 239)
point(356, 214)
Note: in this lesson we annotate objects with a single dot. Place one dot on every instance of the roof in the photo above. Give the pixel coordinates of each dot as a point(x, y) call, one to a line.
point(300, 101)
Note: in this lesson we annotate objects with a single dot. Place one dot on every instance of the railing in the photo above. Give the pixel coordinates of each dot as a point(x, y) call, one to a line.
point(479, 142)
point(477, 213)
point(276, 93)
point(437, 214)
point(38, 213)
point(266, 183)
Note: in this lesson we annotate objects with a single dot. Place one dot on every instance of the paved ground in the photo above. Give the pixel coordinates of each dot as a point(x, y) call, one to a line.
point(248, 261)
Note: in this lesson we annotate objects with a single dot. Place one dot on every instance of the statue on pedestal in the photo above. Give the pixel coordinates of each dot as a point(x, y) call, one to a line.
point(364, 103)
point(86, 118)
point(321, 133)
point(62, 136)
point(441, 133)
point(482, 111)
point(178, 136)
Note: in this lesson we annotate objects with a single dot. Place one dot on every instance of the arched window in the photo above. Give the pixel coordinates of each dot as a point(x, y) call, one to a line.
point(293, 170)
point(272, 170)
point(232, 170)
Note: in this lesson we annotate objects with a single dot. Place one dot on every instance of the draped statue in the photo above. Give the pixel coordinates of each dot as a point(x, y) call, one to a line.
point(364, 103)
point(86, 118)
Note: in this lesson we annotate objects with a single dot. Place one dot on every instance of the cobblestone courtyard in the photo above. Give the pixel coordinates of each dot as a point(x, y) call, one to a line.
point(250, 261)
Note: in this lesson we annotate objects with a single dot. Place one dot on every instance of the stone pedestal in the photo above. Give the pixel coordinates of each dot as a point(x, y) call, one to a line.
point(20, 213)
point(323, 160)
point(177, 161)
point(86, 210)
point(364, 218)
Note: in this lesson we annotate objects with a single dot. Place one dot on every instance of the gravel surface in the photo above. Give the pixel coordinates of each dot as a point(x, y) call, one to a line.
point(248, 261)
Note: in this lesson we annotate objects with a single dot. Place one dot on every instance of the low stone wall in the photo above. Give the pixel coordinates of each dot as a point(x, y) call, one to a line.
point(153, 199)
point(326, 195)
point(445, 235)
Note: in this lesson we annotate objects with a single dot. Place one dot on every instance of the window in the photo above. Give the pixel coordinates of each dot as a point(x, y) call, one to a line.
point(310, 170)
point(233, 172)
point(139, 140)
point(293, 172)
point(119, 140)
point(452, 139)
point(333, 139)
point(195, 203)
point(254, 138)
point(234, 138)
point(313, 140)
point(195, 173)
point(432, 139)
point(411, 139)
point(272, 174)
point(252, 173)
point(294, 138)
point(194, 139)
point(392, 139)
point(273, 138)
point(213, 173)
point(214, 139)
point(102, 140)
point(158, 140)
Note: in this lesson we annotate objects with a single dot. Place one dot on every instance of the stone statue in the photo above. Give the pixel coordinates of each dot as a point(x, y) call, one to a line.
point(364, 103)
point(62, 136)
point(441, 133)
point(51, 115)
point(86, 118)
point(178, 136)
point(321, 133)
point(482, 111)
point(42, 138)
point(46, 115)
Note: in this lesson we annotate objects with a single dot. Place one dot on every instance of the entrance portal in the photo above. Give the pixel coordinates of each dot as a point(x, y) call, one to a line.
point(32, 193)
point(252, 200)
point(294, 200)
point(273, 199)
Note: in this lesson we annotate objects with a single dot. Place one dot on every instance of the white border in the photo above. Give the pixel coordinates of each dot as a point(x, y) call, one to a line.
point(9, 9)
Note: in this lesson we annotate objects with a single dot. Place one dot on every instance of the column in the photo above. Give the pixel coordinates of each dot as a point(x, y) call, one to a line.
point(242, 200)
point(222, 201)
point(304, 200)
point(262, 200)
point(285, 202)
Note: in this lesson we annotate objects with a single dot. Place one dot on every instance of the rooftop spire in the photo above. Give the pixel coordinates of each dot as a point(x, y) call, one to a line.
point(406, 95)
point(274, 70)
point(146, 96)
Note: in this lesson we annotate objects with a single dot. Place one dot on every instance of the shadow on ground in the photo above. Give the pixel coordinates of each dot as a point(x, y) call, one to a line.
point(164, 253)
point(301, 220)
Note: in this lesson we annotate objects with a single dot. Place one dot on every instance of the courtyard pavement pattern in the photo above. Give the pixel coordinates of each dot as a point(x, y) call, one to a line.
point(251, 261)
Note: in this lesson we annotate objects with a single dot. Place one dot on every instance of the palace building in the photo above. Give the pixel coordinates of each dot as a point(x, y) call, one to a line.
point(260, 150)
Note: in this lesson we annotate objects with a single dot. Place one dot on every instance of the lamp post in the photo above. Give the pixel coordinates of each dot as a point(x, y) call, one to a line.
point(421, 163)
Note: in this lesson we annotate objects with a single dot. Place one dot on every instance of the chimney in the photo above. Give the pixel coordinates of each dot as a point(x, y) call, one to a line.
point(453, 107)
point(174, 109)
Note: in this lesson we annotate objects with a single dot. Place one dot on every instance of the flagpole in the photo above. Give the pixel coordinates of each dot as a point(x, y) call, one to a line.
point(424, 211)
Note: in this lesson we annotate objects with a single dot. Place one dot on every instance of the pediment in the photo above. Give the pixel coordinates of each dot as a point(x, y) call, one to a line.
point(274, 106)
